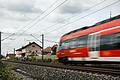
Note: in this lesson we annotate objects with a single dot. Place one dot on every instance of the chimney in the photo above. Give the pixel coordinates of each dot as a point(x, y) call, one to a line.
point(29, 42)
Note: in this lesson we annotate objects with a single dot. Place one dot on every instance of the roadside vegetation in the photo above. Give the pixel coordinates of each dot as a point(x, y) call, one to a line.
point(6, 74)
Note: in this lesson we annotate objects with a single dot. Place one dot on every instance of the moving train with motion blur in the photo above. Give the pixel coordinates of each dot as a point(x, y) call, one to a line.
point(99, 43)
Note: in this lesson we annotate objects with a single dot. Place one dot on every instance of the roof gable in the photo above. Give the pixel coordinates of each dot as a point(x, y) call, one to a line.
point(48, 49)
point(20, 49)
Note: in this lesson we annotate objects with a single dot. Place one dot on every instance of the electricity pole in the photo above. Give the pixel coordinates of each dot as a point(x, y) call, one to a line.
point(42, 46)
point(110, 13)
point(0, 44)
point(14, 50)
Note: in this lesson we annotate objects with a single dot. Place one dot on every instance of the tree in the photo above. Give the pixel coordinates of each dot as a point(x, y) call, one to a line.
point(1, 56)
point(54, 49)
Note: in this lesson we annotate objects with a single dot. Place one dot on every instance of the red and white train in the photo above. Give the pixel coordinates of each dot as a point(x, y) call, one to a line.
point(96, 43)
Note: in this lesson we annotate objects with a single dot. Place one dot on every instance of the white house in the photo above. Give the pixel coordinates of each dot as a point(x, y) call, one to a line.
point(29, 49)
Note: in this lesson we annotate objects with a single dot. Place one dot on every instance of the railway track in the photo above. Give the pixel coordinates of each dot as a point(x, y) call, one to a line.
point(94, 69)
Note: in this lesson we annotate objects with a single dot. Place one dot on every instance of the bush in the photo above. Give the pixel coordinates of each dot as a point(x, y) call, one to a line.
point(49, 59)
point(31, 58)
point(1, 56)
point(6, 74)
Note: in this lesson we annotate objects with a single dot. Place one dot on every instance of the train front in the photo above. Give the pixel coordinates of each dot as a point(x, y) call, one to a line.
point(70, 50)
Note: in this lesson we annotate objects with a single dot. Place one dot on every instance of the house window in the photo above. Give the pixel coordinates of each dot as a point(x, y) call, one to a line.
point(33, 46)
point(36, 51)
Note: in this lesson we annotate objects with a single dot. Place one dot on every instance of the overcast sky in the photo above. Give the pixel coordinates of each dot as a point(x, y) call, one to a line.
point(42, 17)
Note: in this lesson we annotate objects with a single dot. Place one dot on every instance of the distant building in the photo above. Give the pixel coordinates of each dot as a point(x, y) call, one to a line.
point(47, 51)
point(29, 49)
point(10, 56)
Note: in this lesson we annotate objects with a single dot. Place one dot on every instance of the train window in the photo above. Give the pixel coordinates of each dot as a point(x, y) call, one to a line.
point(75, 42)
point(82, 41)
point(111, 41)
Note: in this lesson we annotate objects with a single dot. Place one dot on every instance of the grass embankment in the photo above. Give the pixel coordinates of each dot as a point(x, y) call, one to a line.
point(5, 73)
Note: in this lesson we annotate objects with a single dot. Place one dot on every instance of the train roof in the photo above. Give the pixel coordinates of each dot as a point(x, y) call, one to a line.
point(99, 23)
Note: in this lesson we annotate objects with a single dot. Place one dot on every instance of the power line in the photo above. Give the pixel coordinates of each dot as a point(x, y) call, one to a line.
point(8, 37)
point(17, 34)
point(61, 27)
point(31, 21)
point(27, 35)
point(83, 16)
point(51, 41)
point(40, 18)
point(7, 33)
point(36, 38)
point(44, 39)
point(42, 13)
point(75, 15)
point(46, 15)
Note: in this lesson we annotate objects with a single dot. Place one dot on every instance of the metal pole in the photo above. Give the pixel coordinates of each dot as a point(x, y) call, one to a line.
point(110, 13)
point(42, 46)
point(0, 43)
point(0, 46)
point(14, 50)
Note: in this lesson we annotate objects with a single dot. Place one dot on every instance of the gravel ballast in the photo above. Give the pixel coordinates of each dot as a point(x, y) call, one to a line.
point(49, 73)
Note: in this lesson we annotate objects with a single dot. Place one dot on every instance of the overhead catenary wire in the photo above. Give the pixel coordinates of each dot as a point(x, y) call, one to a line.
point(77, 15)
point(17, 34)
point(75, 20)
point(46, 15)
point(7, 37)
point(36, 38)
point(64, 26)
point(72, 21)
point(30, 35)
point(44, 39)
point(42, 13)
point(37, 18)
point(51, 11)
point(31, 21)
point(51, 41)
